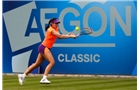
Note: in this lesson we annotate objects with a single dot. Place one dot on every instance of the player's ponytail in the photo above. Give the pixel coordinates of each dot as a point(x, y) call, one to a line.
point(49, 24)
point(47, 27)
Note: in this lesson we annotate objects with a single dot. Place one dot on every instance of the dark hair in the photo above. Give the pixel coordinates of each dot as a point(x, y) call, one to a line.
point(51, 20)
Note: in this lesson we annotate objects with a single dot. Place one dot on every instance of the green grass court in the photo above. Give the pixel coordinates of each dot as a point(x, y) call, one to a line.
point(10, 82)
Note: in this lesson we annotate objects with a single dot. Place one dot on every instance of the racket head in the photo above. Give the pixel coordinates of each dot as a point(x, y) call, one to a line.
point(86, 31)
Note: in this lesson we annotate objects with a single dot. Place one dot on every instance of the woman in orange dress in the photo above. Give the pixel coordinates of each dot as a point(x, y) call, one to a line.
point(52, 33)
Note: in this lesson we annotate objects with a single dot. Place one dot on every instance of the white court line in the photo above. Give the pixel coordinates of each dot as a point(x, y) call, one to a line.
point(84, 45)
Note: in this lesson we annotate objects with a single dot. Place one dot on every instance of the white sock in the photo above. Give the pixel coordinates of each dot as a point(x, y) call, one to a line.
point(24, 75)
point(44, 77)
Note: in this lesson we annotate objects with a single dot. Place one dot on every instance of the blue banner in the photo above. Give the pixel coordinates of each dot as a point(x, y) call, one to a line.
point(110, 49)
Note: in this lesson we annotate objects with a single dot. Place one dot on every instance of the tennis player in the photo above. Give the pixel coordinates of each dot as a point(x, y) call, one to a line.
point(52, 33)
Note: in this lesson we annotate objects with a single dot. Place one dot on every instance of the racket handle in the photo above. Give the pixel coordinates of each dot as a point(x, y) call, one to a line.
point(77, 36)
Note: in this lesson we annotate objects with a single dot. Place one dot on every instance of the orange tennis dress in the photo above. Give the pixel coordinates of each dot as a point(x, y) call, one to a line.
point(49, 37)
point(48, 41)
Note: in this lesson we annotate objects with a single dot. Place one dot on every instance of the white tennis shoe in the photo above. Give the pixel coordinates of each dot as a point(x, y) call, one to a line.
point(45, 81)
point(20, 79)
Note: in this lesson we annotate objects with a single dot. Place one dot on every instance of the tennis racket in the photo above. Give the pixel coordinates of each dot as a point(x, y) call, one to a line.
point(85, 31)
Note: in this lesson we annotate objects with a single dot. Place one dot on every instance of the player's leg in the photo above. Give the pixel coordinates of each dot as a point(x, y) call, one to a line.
point(39, 60)
point(48, 56)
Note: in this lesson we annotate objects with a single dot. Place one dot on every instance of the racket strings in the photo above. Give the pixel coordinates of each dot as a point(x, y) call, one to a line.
point(86, 31)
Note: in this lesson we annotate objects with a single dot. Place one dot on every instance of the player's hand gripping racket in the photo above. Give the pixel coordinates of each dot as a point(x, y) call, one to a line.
point(85, 31)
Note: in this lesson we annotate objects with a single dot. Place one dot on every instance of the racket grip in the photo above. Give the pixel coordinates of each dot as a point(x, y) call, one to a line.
point(77, 36)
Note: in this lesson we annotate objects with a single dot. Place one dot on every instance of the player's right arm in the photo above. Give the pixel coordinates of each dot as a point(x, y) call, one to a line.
point(61, 36)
